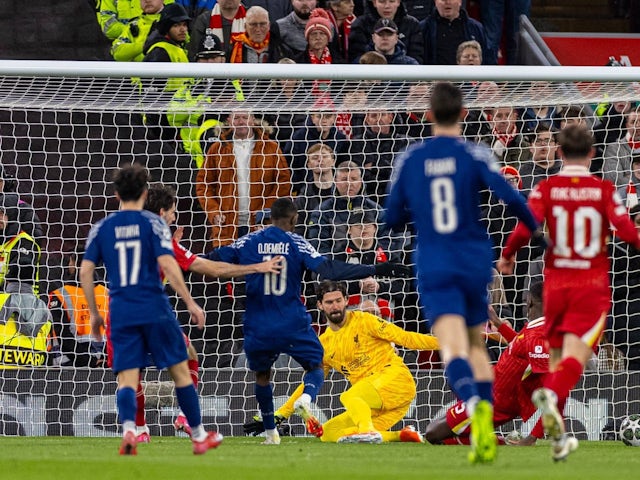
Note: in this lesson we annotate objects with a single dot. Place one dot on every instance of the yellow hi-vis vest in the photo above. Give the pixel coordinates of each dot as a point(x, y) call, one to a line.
point(176, 55)
point(5, 253)
point(17, 349)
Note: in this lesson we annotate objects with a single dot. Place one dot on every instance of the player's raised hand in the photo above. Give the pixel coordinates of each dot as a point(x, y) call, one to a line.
point(506, 265)
point(178, 234)
point(271, 266)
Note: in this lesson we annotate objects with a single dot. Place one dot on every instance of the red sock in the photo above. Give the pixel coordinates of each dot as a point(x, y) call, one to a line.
point(538, 430)
point(140, 420)
point(194, 366)
point(564, 379)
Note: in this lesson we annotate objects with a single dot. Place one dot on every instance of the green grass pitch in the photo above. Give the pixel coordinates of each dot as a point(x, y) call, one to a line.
point(299, 458)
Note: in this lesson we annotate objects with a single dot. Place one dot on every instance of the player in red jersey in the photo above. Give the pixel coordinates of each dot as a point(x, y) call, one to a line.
point(161, 200)
point(518, 374)
point(579, 209)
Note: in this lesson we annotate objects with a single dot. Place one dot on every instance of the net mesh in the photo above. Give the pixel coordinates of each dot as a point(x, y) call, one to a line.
point(63, 137)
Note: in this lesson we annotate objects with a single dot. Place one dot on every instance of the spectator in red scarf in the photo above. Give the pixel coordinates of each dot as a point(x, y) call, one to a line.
point(256, 44)
point(341, 16)
point(226, 21)
point(505, 139)
point(319, 33)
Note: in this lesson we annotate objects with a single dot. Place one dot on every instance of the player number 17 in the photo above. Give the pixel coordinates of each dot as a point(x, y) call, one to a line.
point(275, 283)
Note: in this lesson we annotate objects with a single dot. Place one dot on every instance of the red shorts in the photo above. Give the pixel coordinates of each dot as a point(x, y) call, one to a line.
point(577, 309)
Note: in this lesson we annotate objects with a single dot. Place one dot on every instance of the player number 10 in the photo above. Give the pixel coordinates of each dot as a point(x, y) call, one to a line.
point(275, 283)
point(583, 245)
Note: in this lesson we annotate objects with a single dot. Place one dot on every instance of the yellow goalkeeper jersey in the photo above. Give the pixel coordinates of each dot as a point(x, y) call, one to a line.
point(363, 346)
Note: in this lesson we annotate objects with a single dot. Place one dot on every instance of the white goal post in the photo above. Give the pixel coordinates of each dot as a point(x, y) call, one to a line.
point(65, 126)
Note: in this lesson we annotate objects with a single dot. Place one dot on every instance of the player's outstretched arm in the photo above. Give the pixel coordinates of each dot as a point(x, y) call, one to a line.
point(337, 270)
point(212, 268)
point(173, 274)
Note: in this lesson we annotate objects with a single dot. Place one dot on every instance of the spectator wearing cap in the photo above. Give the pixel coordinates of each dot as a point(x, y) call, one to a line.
point(167, 44)
point(256, 44)
point(342, 17)
point(292, 27)
point(319, 33)
point(320, 163)
point(320, 128)
point(129, 44)
point(385, 41)
point(445, 28)
point(409, 32)
point(226, 20)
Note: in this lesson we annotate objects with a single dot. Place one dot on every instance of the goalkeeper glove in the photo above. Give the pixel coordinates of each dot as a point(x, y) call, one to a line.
point(256, 427)
point(389, 269)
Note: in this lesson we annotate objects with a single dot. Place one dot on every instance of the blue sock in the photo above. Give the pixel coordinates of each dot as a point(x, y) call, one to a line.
point(460, 377)
point(313, 380)
point(485, 391)
point(126, 401)
point(190, 405)
point(264, 395)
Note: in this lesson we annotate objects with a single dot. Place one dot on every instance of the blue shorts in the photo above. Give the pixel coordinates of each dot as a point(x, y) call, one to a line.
point(455, 294)
point(139, 346)
point(303, 346)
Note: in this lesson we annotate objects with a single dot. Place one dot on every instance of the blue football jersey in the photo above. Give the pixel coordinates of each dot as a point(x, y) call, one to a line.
point(274, 302)
point(437, 185)
point(129, 243)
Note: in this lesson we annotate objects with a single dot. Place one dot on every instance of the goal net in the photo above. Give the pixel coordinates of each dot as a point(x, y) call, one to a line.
point(65, 127)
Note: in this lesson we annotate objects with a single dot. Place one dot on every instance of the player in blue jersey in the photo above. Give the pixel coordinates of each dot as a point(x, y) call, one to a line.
point(437, 186)
point(276, 321)
point(134, 244)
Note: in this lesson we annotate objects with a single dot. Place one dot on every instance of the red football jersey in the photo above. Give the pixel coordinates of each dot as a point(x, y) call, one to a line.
point(579, 210)
point(518, 371)
point(184, 257)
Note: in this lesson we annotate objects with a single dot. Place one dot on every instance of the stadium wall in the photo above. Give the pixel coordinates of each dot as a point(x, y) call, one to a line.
point(81, 402)
point(46, 30)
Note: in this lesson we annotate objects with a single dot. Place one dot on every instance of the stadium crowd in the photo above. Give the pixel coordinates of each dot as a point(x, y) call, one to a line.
point(338, 157)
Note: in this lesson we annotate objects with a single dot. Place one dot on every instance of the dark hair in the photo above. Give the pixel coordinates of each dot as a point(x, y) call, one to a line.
point(328, 286)
point(130, 182)
point(535, 291)
point(283, 208)
point(160, 197)
point(575, 141)
point(446, 103)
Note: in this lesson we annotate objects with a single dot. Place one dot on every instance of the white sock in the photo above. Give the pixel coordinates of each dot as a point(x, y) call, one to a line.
point(271, 432)
point(305, 399)
point(471, 405)
point(198, 433)
point(129, 426)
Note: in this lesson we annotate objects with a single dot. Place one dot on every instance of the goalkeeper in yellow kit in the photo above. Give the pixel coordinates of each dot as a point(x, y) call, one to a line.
point(359, 345)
